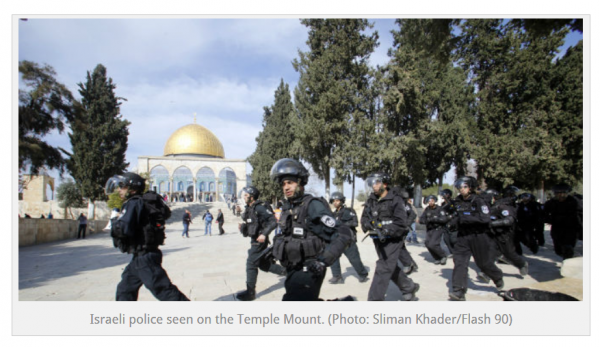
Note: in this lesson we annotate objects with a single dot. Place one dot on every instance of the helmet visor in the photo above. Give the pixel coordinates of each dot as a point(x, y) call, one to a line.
point(462, 183)
point(117, 181)
point(373, 184)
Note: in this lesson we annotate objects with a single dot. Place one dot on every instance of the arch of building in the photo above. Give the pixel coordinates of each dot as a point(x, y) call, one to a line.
point(210, 179)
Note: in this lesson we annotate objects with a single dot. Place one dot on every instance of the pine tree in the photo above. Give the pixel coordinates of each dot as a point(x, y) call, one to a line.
point(333, 76)
point(44, 106)
point(274, 142)
point(99, 136)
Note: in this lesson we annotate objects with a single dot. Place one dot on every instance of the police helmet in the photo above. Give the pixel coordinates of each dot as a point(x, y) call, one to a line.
point(447, 193)
point(431, 197)
point(561, 188)
point(510, 191)
point(337, 196)
point(287, 168)
point(129, 179)
point(470, 181)
point(375, 178)
point(493, 192)
point(252, 191)
point(527, 196)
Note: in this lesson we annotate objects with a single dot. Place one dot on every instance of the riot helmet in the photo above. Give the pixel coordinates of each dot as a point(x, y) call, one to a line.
point(468, 181)
point(337, 196)
point(374, 178)
point(252, 192)
point(287, 168)
point(435, 199)
point(127, 180)
point(447, 193)
point(561, 188)
point(526, 197)
point(510, 192)
point(493, 192)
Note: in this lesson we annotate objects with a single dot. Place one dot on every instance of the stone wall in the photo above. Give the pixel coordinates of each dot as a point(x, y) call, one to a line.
point(36, 209)
point(37, 231)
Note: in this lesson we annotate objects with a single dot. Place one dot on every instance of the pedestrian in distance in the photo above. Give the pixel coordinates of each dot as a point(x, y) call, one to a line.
point(187, 220)
point(82, 226)
point(207, 218)
point(220, 222)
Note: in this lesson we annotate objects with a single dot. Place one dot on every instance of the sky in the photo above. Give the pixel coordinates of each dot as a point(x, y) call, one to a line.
point(224, 71)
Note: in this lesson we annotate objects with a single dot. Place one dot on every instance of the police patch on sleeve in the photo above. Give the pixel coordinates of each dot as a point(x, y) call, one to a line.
point(505, 213)
point(485, 209)
point(328, 221)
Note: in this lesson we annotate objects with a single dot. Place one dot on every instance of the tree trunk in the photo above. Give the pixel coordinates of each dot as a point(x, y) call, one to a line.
point(91, 210)
point(353, 185)
point(327, 182)
point(441, 186)
point(417, 192)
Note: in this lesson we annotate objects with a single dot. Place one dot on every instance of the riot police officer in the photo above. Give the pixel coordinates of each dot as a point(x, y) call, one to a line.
point(258, 222)
point(135, 232)
point(311, 239)
point(530, 220)
point(563, 211)
point(384, 217)
point(503, 216)
point(450, 231)
point(347, 216)
point(473, 238)
point(434, 218)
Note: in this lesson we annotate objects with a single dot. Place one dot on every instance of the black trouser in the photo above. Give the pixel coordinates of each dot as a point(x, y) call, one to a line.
point(433, 241)
point(146, 269)
point(302, 285)
point(81, 229)
point(221, 231)
point(387, 269)
point(252, 267)
point(450, 237)
point(503, 244)
point(404, 256)
point(354, 258)
point(524, 234)
point(478, 245)
point(564, 240)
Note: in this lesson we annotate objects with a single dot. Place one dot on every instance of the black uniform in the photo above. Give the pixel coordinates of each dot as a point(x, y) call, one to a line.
point(405, 258)
point(530, 226)
point(451, 229)
point(145, 266)
point(566, 224)
point(435, 219)
point(473, 239)
point(388, 215)
point(310, 236)
point(258, 220)
point(502, 227)
point(347, 216)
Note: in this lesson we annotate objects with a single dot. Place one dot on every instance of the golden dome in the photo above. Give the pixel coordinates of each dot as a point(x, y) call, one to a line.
point(194, 139)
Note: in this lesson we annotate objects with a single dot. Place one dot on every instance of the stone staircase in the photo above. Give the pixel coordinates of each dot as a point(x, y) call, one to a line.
point(197, 210)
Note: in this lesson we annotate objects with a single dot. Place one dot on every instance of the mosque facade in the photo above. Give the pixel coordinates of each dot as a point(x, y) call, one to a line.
point(194, 164)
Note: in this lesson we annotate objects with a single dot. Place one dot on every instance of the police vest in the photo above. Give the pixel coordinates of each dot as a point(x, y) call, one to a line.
point(251, 218)
point(297, 243)
point(468, 209)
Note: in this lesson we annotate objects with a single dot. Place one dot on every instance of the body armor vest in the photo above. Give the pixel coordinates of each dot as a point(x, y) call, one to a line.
point(297, 243)
point(250, 217)
point(468, 207)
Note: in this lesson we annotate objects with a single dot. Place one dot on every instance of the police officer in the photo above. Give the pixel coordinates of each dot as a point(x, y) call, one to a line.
point(530, 220)
point(258, 222)
point(347, 216)
point(434, 218)
point(473, 238)
point(502, 228)
point(311, 239)
point(131, 234)
point(384, 217)
point(563, 212)
point(450, 231)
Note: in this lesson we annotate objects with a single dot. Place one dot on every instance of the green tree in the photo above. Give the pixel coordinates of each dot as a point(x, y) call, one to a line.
point(69, 196)
point(99, 136)
point(44, 106)
point(273, 142)
point(332, 94)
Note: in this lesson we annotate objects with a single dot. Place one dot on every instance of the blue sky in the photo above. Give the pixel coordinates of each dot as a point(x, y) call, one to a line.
point(224, 70)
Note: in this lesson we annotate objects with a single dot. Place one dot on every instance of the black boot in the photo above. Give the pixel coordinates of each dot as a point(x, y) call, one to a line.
point(247, 295)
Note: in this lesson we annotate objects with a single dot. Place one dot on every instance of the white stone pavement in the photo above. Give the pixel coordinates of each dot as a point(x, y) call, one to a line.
point(209, 268)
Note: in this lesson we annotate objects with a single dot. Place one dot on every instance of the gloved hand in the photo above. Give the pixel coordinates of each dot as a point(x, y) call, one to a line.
point(317, 267)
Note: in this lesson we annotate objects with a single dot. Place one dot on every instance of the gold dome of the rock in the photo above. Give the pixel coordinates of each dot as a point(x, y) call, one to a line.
point(196, 140)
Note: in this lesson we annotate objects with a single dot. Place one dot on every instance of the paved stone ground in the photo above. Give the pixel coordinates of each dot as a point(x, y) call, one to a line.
point(212, 268)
